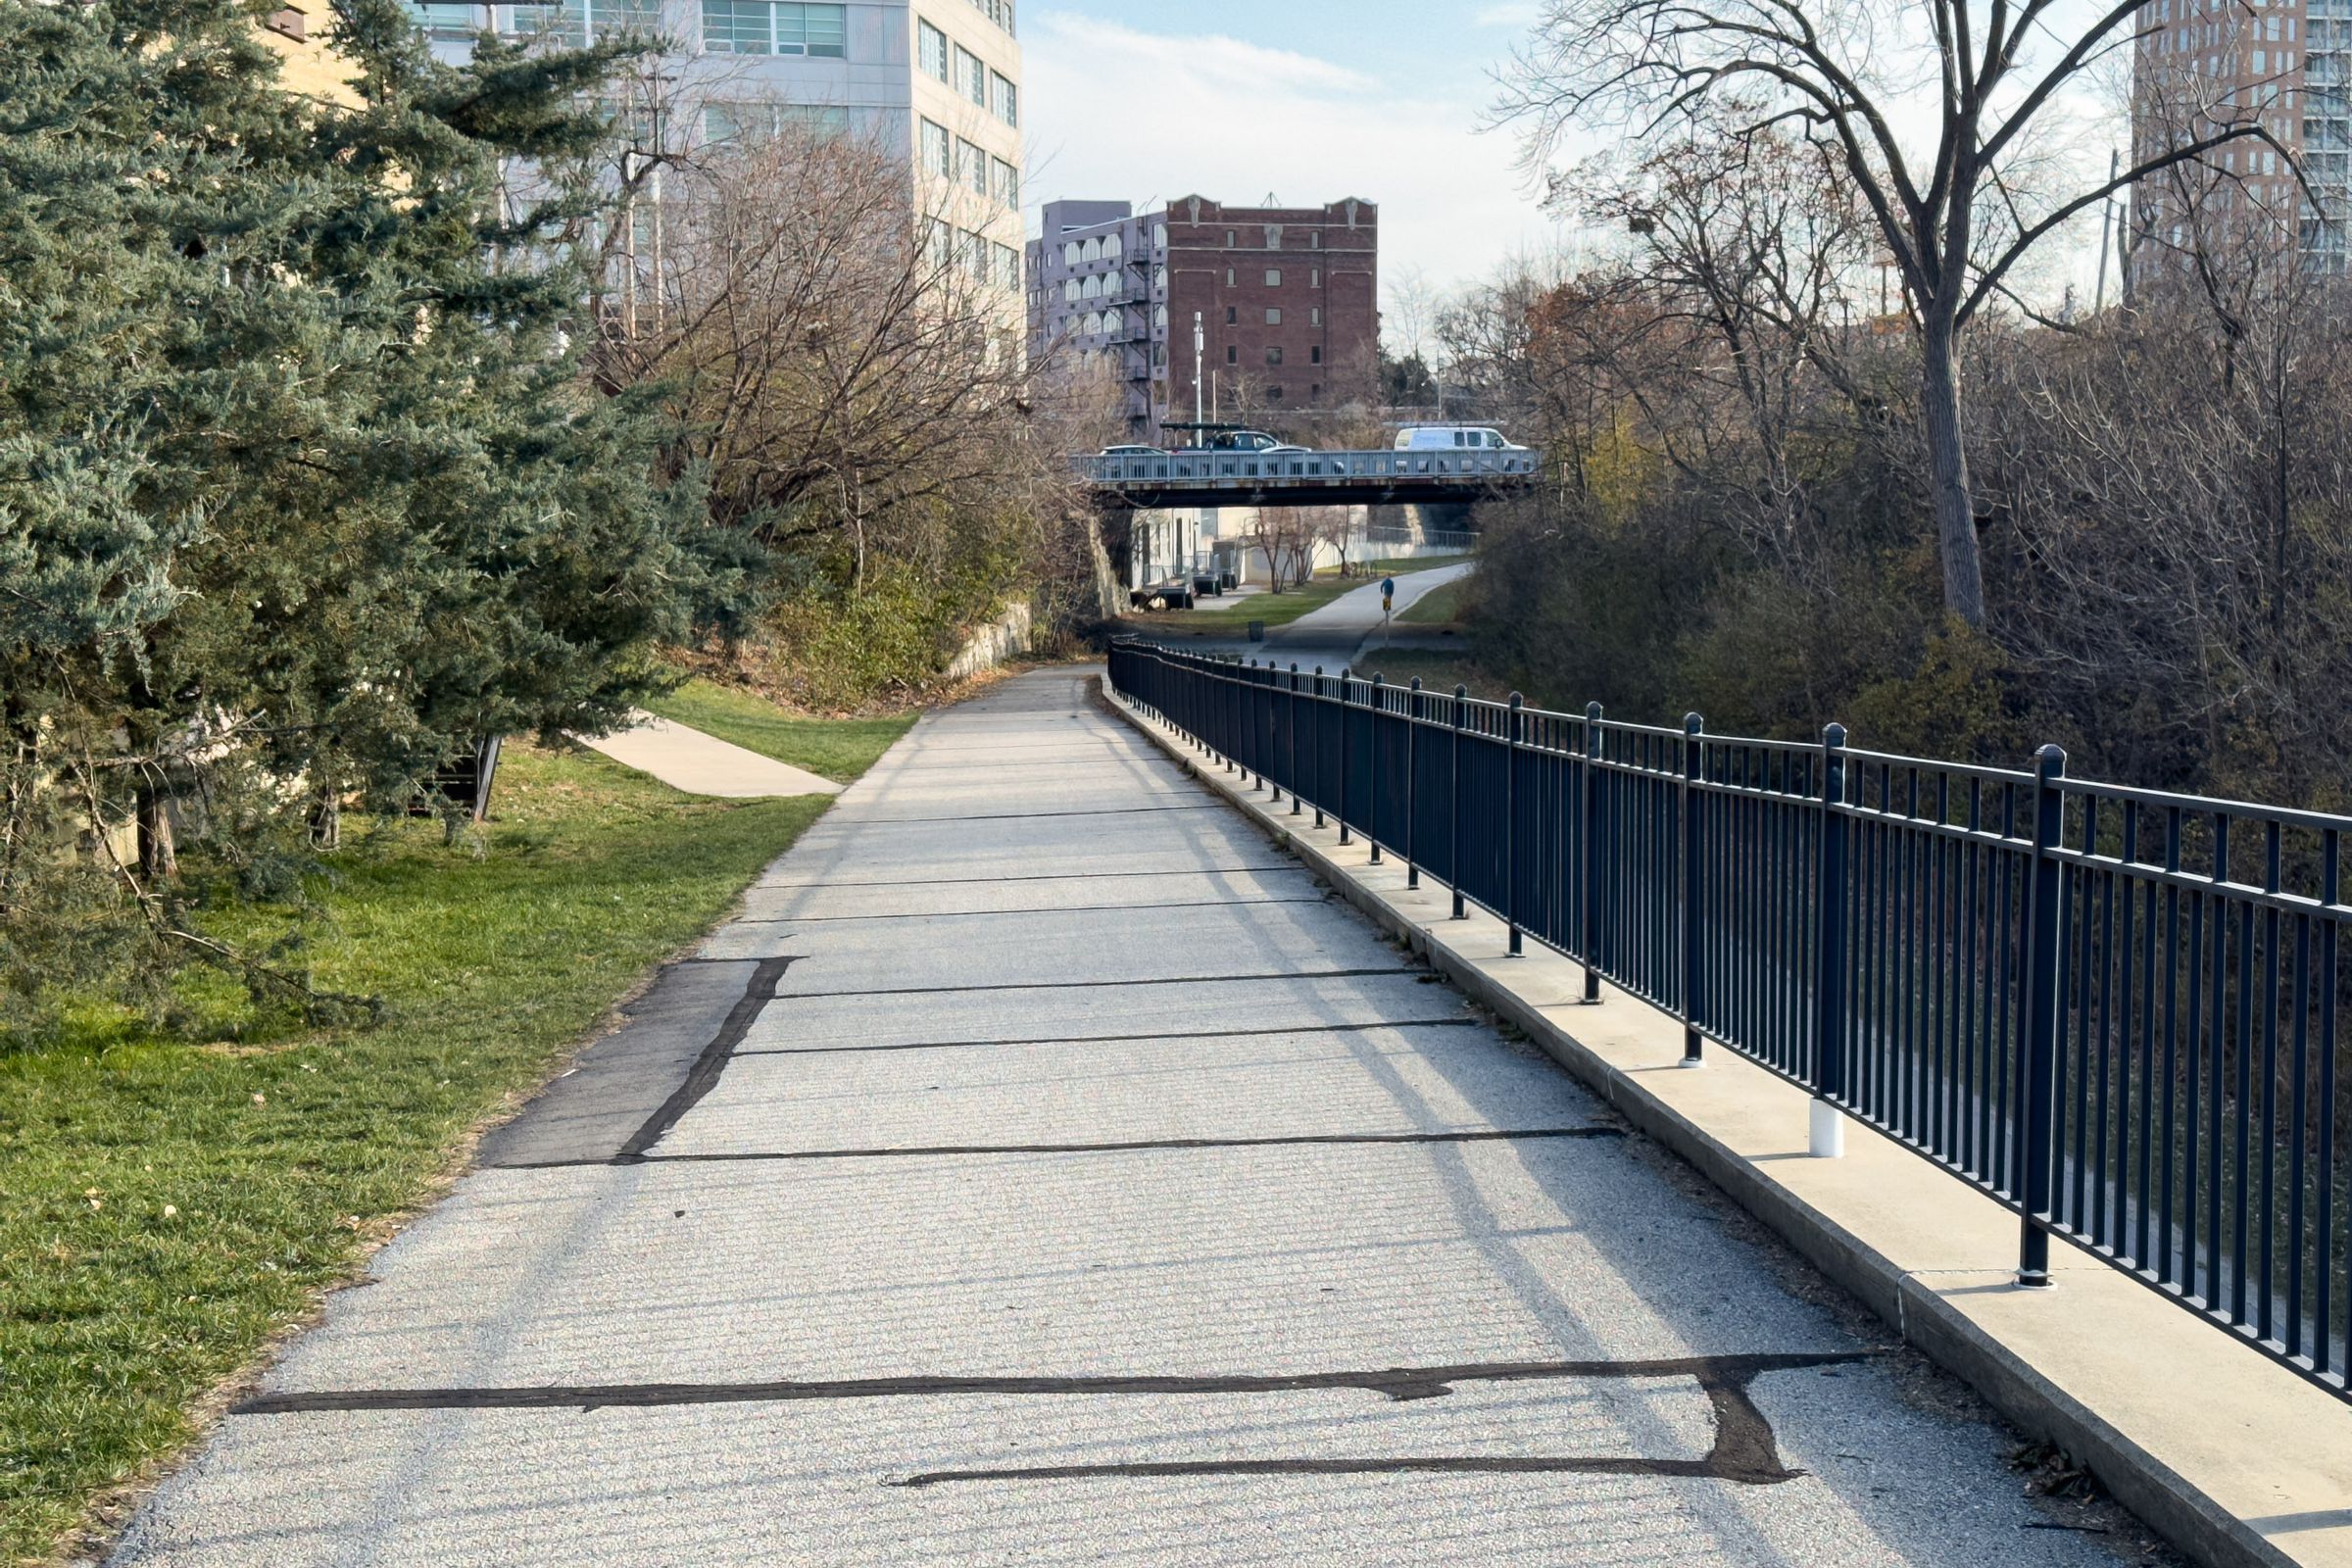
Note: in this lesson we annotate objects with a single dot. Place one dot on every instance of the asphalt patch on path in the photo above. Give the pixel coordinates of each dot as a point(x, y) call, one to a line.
point(1171, 1036)
point(1745, 1451)
point(1481, 1135)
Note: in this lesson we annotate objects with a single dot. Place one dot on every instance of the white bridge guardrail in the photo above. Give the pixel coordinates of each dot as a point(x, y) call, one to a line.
point(1244, 469)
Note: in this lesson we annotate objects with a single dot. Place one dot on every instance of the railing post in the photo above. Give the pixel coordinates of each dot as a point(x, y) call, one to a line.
point(1342, 805)
point(1826, 1129)
point(1229, 687)
point(1412, 723)
point(1510, 822)
point(1462, 715)
point(1244, 708)
point(1591, 846)
point(1694, 855)
point(1292, 708)
point(2046, 931)
point(1319, 717)
point(1380, 685)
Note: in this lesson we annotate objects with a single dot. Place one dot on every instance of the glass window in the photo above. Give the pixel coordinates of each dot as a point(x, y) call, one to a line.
point(971, 76)
point(739, 27)
point(775, 28)
point(1069, 290)
point(558, 20)
point(1229, 278)
point(937, 151)
point(1005, 98)
point(1314, 316)
point(1273, 315)
point(931, 50)
point(1009, 268)
point(1112, 250)
point(1315, 277)
point(1007, 184)
point(442, 20)
point(1273, 277)
point(1233, 315)
point(1274, 355)
point(1229, 240)
point(723, 121)
point(1233, 354)
point(1314, 355)
point(822, 32)
point(1069, 254)
point(819, 120)
point(971, 168)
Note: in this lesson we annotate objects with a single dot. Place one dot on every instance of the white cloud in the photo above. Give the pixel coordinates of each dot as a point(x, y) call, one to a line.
point(1119, 113)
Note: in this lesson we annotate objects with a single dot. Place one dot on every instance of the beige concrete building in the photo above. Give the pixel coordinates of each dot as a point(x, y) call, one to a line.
point(937, 82)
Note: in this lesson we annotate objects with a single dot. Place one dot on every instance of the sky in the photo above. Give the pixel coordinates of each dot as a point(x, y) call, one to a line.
point(1307, 99)
point(1313, 100)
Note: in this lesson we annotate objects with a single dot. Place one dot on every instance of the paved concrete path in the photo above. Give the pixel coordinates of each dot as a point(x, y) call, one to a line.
point(704, 764)
point(1042, 1170)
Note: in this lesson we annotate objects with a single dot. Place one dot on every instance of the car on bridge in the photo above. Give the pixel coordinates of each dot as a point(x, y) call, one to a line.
point(1240, 441)
point(1453, 437)
point(1133, 452)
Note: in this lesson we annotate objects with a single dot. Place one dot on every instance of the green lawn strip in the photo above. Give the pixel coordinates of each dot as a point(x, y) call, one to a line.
point(167, 1205)
point(837, 748)
point(1439, 671)
point(1442, 606)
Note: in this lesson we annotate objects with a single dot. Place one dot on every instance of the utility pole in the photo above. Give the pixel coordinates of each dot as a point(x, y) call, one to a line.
point(2098, 298)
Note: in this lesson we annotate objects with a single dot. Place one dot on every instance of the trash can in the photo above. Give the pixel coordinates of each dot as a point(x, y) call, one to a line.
point(1258, 631)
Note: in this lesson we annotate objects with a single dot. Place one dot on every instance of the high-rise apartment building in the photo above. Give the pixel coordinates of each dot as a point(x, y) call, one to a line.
point(1287, 300)
point(936, 82)
point(2278, 65)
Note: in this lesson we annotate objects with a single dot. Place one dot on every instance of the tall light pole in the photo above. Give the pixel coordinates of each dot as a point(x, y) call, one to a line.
point(1200, 348)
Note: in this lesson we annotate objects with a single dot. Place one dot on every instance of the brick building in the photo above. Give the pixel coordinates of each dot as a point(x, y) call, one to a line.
point(1287, 298)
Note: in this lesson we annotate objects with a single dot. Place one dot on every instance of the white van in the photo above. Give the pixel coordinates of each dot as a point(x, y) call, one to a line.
point(1448, 438)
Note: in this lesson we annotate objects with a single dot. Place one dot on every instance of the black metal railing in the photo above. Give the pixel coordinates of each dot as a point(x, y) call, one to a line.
point(2113, 1009)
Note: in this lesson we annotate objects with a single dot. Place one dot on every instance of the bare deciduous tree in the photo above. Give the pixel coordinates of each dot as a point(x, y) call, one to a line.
point(1958, 207)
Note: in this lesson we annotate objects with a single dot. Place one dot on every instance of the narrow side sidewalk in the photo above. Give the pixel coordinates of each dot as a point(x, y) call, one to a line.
point(704, 764)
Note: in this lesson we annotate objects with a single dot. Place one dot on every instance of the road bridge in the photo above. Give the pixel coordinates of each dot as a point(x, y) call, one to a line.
point(1156, 481)
point(1045, 1169)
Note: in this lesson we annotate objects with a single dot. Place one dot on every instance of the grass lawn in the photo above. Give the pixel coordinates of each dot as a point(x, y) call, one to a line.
point(1442, 606)
point(168, 1204)
point(1439, 671)
point(837, 748)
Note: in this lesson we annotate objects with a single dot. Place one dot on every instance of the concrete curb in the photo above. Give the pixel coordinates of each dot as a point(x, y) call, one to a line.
point(2184, 1513)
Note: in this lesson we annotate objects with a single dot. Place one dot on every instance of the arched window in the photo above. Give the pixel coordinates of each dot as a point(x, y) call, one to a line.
point(1091, 251)
point(1069, 254)
point(1160, 318)
point(1092, 288)
point(1159, 237)
point(1111, 248)
point(1069, 290)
